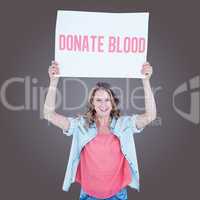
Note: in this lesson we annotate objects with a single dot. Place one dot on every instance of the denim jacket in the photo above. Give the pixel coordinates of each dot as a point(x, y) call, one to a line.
point(124, 127)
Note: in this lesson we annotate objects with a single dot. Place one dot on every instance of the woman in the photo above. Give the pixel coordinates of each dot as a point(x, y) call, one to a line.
point(102, 156)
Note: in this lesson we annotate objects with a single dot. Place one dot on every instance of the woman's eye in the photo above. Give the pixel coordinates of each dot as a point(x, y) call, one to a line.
point(99, 100)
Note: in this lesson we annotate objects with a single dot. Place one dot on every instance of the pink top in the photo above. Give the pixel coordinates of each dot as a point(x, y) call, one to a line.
point(103, 169)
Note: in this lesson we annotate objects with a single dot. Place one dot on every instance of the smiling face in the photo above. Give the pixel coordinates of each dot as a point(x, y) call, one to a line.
point(102, 103)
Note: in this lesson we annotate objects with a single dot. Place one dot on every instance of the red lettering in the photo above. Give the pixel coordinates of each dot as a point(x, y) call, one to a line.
point(61, 42)
point(111, 45)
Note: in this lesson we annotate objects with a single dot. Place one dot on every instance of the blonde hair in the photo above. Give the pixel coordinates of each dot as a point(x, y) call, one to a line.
point(89, 115)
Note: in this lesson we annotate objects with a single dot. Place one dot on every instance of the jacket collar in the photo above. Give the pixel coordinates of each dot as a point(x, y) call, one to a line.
point(112, 124)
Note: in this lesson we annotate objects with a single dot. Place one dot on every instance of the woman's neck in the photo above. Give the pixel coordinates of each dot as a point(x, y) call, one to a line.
point(103, 123)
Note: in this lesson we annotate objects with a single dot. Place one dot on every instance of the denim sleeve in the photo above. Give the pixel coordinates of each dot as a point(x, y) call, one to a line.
point(132, 122)
point(72, 126)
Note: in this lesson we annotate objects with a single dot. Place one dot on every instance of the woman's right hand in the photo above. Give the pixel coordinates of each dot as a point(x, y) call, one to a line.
point(53, 70)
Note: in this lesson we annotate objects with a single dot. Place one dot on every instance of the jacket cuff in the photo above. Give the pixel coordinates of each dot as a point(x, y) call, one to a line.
point(133, 122)
point(71, 128)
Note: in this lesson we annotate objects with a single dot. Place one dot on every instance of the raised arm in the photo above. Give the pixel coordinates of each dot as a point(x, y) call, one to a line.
point(150, 106)
point(50, 101)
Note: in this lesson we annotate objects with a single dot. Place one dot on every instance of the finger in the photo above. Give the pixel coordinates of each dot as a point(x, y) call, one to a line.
point(53, 67)
point(57, 70)
point(54, 62)
point(146, 63)
point(53, 71)
point(147, 72)
point(147, 66)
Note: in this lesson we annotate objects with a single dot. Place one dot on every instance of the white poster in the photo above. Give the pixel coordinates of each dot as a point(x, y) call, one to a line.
point(97, 44)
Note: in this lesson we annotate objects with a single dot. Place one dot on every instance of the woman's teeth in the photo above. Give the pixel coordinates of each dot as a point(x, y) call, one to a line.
point(103, 110)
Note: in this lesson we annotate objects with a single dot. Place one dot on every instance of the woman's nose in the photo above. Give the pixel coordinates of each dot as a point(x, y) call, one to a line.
point(103, 102)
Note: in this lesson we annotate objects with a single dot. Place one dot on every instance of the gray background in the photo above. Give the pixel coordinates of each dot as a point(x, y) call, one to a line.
point(34, 154)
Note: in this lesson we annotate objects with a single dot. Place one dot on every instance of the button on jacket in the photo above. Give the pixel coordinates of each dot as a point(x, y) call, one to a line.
point(124, 127)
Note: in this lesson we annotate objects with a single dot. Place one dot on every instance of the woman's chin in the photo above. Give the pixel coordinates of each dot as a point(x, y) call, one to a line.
point(103, 114)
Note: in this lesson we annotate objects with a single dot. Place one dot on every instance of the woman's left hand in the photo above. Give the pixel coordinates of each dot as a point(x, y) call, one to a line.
point(147, 70)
